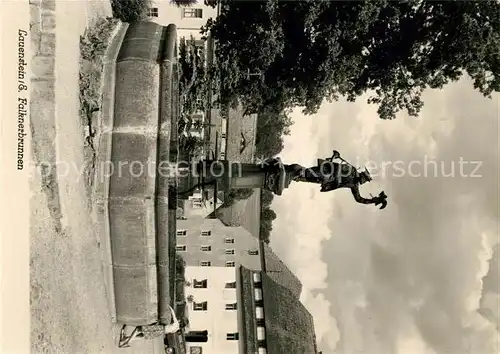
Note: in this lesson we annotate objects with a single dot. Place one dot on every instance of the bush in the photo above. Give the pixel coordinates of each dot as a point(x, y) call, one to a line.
point(94, 41)
point(130, 10)
point(241, 193)
point(93, 45)
point(193, 83)
point(237, 194)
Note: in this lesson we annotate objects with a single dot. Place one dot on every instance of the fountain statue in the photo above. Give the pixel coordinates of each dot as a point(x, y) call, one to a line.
point(275, 176)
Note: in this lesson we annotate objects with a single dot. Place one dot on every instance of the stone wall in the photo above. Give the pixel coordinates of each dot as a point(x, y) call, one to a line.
point(138, 196)
point(42, 100)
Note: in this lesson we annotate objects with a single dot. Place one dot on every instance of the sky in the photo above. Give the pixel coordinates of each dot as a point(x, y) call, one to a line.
point(409, 278)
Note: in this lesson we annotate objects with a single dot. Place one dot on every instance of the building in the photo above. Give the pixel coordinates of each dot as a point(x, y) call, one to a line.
point(273, 320)
point(205, 243)
point(213, 253)
point(188, 19)
point(234, 305)
point(201, 203)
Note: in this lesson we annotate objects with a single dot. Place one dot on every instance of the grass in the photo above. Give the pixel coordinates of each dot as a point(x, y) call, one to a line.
point(244, 212)
point(93, 45)
point(130, 10)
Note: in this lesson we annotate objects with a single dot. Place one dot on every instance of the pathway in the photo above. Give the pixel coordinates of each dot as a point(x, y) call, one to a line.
point(69, 300)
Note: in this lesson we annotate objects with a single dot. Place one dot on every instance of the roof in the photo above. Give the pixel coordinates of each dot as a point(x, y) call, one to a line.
point(289, 327)
point(248, 305)
point(279, 272)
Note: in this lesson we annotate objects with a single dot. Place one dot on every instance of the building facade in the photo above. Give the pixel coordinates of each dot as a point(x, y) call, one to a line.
point(214, 253)
point(205, 242)
point(241, 298)
point(188, 19)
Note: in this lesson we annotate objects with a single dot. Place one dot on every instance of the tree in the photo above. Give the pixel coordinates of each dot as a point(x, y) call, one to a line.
point(211, 3)
point(271, 126)
point(265, 230)
point(267, 214)
point(192, 145)
point(186, 3)
point(266, 198)
point(308, 51)
point(199, 124)
point(194, 81)
point(241, 193)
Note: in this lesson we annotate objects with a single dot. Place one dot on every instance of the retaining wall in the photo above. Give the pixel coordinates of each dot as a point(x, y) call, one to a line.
point(136, 196)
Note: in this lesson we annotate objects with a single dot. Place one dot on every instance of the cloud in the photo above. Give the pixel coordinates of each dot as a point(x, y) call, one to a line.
point(409, 276)
point(302, 229)
point(420, 262)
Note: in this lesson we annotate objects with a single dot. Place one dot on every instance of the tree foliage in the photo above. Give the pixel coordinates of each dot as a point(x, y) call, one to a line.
point(266, 198)
point(184, 3)
point(308, 51)
point(194, 79)
point(267, 215)
point(271, 126)
point(192, 145)
point(241, 193)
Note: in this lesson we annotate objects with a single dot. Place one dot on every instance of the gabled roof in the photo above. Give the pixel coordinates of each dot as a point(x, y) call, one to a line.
point(289, 327)
point(279, 272)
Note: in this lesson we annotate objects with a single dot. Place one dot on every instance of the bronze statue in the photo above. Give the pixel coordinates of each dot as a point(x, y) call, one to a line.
point(275, 176)
point(334, 175)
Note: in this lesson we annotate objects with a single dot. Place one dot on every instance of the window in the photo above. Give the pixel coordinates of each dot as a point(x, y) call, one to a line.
point(230, 264)
point(153, 12)
point(206, 248)
point(192, 13)
point(259, 313)
point(181, 232)
point(229, 251)
point(232, 336)
point(180, 248)
point(261, 333)
point(206, 233)
point(205, 263)
point(231, 285)
point(228, 240)
point(200, 284)
point(195, 350)
point(231, 307)
point(200, 306)
point(253, 252)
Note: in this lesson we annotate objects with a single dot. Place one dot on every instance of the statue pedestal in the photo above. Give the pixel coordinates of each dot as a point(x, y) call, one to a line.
point(233, 175)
